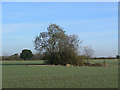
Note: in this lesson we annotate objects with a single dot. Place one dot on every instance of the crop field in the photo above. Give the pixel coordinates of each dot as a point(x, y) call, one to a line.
point(19, 74)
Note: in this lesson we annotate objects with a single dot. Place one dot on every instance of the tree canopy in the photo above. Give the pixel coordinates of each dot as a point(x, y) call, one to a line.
point(58, 47)
point(26, 54)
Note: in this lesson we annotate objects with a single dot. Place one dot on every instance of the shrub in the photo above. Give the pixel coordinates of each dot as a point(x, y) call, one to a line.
point(26, 54)
point(12, 57)
point(65, 58)
point(81, 60)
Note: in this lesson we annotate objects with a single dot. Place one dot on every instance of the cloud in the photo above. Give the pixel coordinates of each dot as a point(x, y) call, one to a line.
point(7, 28)
point(13, 37)
point(98, 34)
point(84, 28)
point(70, 23)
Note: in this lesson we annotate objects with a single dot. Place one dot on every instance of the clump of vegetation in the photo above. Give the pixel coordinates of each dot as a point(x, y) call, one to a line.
point(58, 47)
point(12, 57)
point(26, 54)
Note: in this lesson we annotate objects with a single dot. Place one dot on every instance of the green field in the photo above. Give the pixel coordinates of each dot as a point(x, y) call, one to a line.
point(18, 75)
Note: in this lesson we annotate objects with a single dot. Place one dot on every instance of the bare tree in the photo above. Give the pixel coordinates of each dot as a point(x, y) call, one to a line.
point(89, 52)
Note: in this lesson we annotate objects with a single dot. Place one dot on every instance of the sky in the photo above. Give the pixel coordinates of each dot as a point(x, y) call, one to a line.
point(95, 23)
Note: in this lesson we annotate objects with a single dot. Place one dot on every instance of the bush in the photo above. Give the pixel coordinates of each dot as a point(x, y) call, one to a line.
point(65, 58)
point(38, 57)
point(26, 54)
point(12, 57)
point(81, 60)
point(53, 58)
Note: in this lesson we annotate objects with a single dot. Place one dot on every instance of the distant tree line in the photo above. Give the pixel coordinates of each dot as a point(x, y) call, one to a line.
point(106, 57)
point(42, 57)
point(11, 57)
point(25, 55)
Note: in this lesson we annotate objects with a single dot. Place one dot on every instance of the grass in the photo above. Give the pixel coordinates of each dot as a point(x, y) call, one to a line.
point(25, 76)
